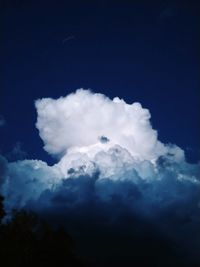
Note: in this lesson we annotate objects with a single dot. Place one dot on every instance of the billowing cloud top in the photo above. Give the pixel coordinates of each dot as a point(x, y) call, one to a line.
point(82, 118)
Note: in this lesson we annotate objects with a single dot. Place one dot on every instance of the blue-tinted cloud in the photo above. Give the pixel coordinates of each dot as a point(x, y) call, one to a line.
point(114, 179)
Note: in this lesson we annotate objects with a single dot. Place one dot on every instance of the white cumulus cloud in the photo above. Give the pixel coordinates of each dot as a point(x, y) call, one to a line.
point(81, 118)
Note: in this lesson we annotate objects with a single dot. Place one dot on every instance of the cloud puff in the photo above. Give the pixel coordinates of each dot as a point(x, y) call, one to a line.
point(81, 118)
point(113, 176)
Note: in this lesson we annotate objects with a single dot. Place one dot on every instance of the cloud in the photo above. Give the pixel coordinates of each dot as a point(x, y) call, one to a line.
point(17, 153)
point(2, 121)
point(159, 203)
point(113, 178)
point(81, 118)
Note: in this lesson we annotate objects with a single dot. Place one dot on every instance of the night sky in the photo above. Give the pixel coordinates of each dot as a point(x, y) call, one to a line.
point(145, 51)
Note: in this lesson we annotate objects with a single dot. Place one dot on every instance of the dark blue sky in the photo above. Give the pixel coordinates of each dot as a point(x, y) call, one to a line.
point(144, 51)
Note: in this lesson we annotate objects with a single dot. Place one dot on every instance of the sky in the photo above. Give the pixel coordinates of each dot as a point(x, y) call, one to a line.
point(142, 51)
point(99, 125)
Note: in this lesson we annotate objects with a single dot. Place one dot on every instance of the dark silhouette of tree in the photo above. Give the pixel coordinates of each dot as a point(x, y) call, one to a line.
point(28, 241)
point(2, 212)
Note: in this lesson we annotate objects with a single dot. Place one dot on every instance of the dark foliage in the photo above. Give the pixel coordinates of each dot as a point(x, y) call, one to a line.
point(27, 241)
point(2, 212)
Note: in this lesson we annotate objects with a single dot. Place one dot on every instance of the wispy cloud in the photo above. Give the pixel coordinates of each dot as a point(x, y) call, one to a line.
point(68, 38)
point(2, 121)
point(17, 153)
